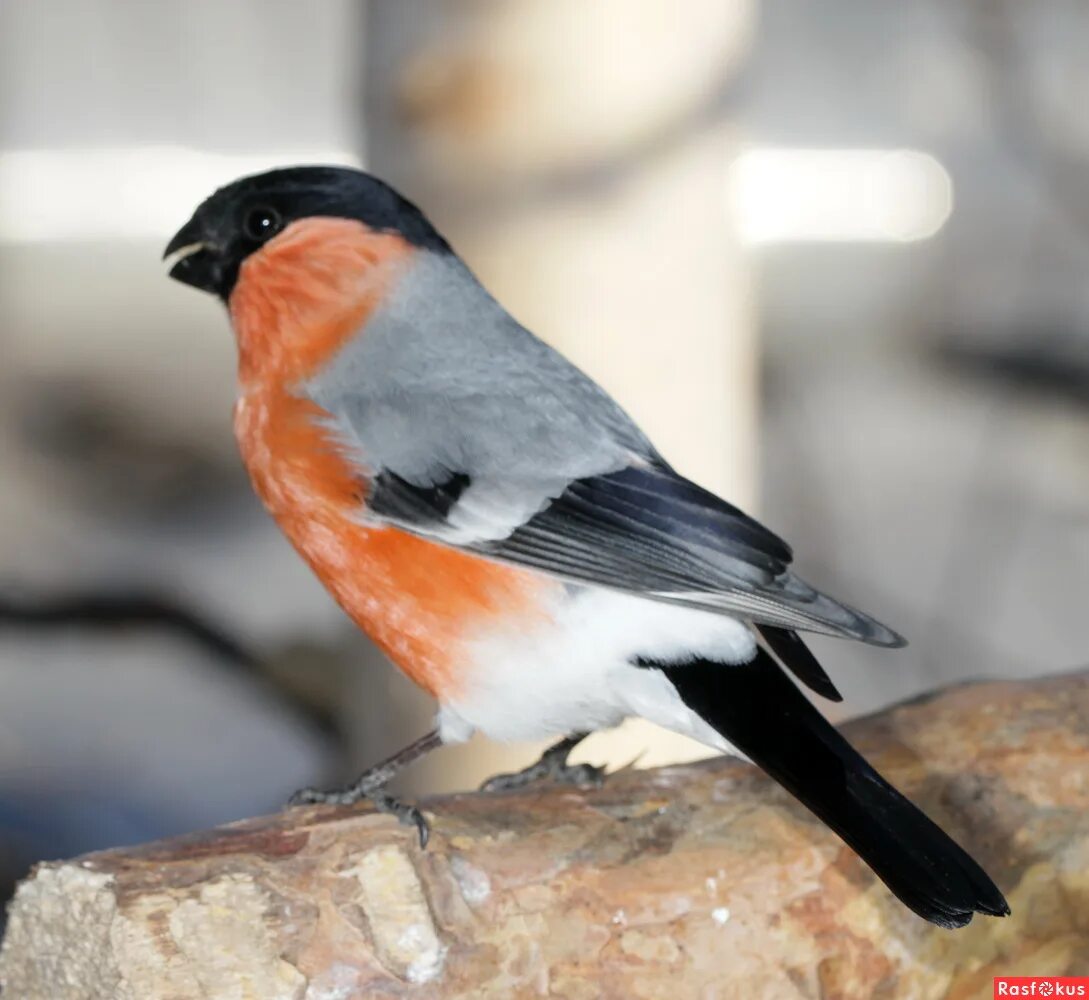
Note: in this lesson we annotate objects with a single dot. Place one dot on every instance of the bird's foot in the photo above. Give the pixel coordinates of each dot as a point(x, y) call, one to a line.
point(552, 766)
point(406, 812)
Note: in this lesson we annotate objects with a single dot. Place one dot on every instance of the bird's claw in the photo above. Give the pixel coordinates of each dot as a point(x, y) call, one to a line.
point(407, 813)
point(547, 769)
point(581, 775)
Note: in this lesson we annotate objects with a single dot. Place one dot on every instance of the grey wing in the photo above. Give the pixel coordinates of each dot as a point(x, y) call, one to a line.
point(483, 438)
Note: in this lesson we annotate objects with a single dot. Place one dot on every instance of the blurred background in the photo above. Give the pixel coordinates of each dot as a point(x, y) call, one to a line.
point(832, 256)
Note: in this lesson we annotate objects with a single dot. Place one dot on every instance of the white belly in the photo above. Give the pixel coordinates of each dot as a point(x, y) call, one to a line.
point(575, 673)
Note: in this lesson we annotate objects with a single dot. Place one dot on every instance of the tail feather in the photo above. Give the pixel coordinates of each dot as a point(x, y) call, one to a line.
point(762, 712)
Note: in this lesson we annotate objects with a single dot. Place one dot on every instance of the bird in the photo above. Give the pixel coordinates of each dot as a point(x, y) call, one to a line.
point(502, 529)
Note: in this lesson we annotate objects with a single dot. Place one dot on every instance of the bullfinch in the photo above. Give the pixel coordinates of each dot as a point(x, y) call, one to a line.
point(504, 531)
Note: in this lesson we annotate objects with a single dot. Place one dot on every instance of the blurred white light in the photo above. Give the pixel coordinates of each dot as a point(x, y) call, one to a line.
point(776, 195)
point(838, 195)
point(139, 192)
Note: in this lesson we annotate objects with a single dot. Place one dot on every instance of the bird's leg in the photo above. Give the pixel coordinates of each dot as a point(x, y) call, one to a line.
point(370, 784)
point(552, 766)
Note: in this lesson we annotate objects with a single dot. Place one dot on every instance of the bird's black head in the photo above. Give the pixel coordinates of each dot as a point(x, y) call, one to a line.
point(241, 217)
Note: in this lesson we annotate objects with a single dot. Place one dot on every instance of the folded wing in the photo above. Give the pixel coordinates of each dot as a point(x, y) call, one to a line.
point(642, 529)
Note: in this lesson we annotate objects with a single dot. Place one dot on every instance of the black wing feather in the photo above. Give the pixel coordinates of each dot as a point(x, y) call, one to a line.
point(645, 529)
point(795, 655)
point(396, 498)
point(652, 530)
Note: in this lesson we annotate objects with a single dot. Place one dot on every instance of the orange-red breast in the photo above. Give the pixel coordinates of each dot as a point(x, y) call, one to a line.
point(502, 529)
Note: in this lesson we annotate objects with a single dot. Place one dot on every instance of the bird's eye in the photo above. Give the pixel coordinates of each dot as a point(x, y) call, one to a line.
point(262, 222)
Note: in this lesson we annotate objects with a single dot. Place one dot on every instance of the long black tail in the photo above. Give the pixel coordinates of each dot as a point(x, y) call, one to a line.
point(761, 712)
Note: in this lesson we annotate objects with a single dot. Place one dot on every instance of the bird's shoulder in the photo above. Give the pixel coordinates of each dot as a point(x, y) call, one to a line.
point(442, 377)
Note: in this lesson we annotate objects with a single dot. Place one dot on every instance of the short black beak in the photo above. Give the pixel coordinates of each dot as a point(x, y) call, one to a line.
point(198, 263)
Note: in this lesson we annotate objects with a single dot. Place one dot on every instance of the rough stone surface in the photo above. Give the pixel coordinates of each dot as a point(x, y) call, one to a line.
point(700, 881)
